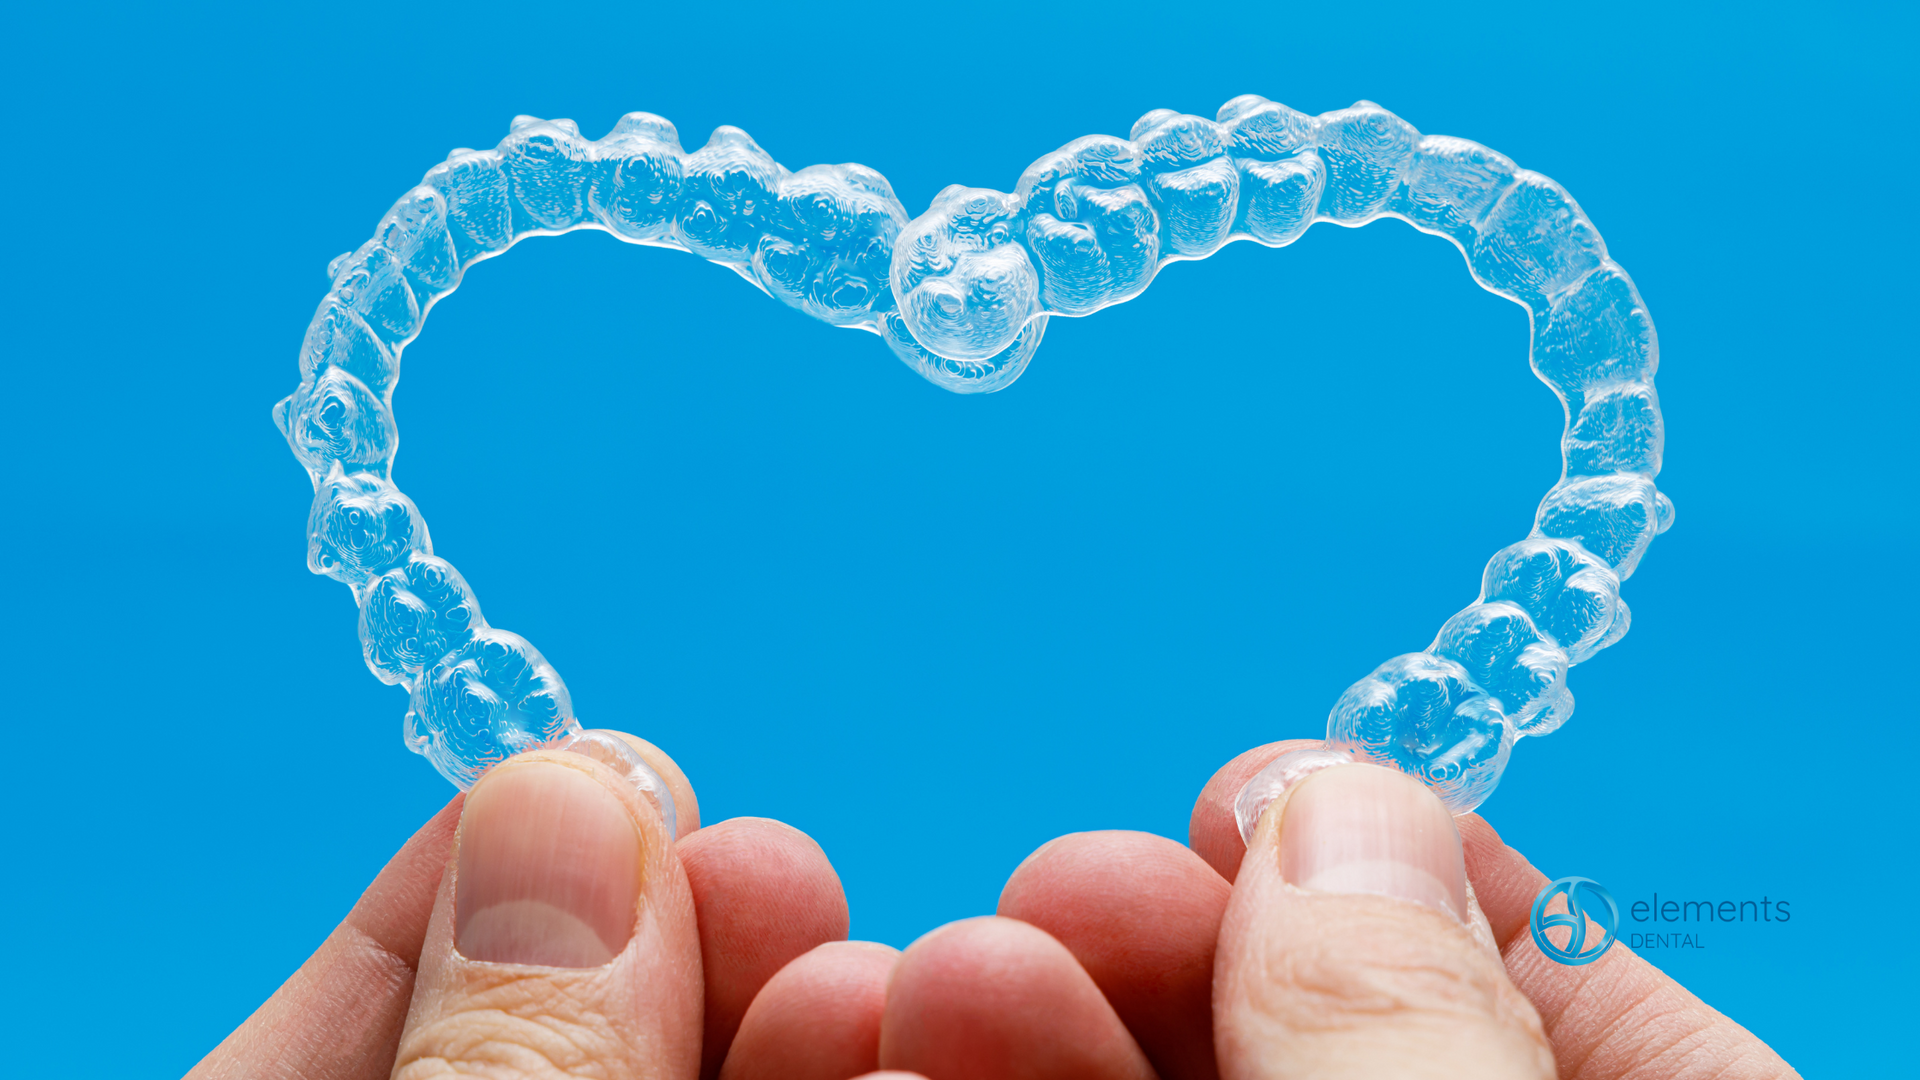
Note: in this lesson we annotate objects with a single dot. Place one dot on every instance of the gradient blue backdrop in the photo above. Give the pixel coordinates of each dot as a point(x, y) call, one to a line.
point(931, 630)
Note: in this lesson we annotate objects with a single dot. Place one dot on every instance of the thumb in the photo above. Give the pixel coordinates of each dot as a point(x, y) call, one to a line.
point(563, 941)
point(1351, 946)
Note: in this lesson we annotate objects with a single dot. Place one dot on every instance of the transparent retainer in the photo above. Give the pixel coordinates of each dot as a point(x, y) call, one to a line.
point(962, 294)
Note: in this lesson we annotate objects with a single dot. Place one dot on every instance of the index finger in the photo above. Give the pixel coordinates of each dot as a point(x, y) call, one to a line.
point(1212, 831)
point(339, 1016)
point(1620, 1018)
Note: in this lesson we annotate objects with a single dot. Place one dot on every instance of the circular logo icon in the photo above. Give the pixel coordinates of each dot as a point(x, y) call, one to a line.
point(1586, 899)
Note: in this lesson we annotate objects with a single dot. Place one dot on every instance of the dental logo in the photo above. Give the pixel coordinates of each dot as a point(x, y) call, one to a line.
point(1586, 900)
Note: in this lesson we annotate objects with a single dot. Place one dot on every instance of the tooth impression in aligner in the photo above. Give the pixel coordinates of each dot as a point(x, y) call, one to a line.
point(962, 294)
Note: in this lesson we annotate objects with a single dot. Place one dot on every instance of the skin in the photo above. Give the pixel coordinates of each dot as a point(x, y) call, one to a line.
point(751, 927)
point(995, 997)
point(1620, 1018)
point(818, 1018)
point(388, 994)
point(638, 1015)
point(1141, 914)
point(1113, 955)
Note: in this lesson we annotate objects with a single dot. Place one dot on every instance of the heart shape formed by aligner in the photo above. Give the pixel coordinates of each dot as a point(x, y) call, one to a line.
point(962, 294)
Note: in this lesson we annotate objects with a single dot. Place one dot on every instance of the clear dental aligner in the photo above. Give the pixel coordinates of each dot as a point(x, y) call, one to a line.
point(962, 294)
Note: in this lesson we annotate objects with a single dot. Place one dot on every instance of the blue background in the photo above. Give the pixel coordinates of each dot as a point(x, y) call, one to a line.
point(935, 631)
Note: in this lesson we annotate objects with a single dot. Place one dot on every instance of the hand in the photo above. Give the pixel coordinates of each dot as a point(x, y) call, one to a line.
point(1345, 942)
point(525, 956)
point(1102, 962)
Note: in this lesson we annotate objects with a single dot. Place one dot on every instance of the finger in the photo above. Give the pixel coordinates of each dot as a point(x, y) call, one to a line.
point(563, 938)
point(818, 1018)
point(686, 805)
point(339, 1016)
point(1347, 951)
point(765, 894)
point(1618, 1018)
point(1141, 914)
point(1212, 831)
point(996, 999)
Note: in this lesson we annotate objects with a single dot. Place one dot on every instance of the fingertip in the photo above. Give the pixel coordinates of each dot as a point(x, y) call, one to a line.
point(550, 866)
point(1141, 913)
point(1117, 899)
point(686, 804)
point(818, 1018)
point(1212, 831)
point(993, 998)
point(765, 893)
point(751, 865)
point(1371, 829)
point(1018, 882)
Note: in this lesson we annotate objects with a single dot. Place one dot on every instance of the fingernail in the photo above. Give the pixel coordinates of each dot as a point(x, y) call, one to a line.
point(1368, 829)
point(548, 872)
